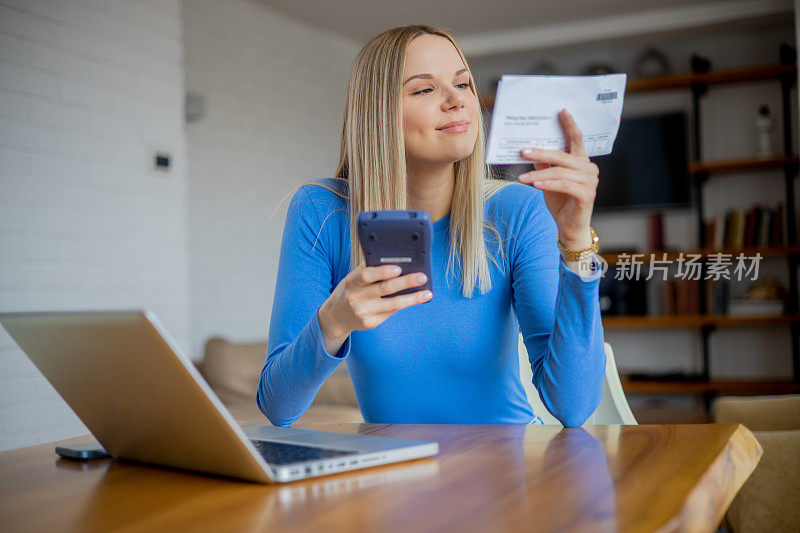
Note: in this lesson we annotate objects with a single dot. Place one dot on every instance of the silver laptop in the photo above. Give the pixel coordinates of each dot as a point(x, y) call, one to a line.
point(143, 401)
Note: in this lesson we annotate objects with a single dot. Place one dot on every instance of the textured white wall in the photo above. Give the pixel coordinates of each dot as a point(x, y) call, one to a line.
point(88, 90)
point(274, 90)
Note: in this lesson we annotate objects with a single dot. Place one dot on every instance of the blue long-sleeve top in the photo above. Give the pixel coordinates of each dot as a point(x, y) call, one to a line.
point(453, 359)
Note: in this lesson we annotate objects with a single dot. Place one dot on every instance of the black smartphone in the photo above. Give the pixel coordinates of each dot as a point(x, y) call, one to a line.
point(82, 452)
point(398, 237)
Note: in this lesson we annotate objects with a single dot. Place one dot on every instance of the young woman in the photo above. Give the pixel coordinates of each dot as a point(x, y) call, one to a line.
point(412, 138)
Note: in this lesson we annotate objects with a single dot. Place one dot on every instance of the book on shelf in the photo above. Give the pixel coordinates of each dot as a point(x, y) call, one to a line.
point(717, 296)
point(735, 237)
point(680, 297)
point(687, 296)
point(676, 375)
point(668, 297)
point(757, 226)
point(776, 225)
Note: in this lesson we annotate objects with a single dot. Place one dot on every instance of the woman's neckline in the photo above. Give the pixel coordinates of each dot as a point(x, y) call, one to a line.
point(442, 223)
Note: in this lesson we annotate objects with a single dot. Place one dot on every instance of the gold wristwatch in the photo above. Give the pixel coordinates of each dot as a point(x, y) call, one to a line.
point(576, 255)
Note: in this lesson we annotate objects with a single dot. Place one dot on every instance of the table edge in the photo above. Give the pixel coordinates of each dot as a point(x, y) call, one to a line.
point(733, 465)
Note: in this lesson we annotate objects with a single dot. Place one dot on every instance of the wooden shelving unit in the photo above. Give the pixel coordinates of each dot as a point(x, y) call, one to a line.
point(718, 77)
point(694, 321)
point(706, 387)
point(689, 79)
point(700, 171)
point(738, 165)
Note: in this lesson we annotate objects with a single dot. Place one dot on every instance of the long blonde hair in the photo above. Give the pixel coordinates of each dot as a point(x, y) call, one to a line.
point(372, 156)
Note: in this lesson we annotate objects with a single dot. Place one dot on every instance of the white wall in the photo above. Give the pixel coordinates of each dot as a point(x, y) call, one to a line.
point(728, 132)
point(274, 90)
point(88, 90)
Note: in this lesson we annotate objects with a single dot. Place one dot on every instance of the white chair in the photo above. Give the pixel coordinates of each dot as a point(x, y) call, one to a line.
point(613, 408)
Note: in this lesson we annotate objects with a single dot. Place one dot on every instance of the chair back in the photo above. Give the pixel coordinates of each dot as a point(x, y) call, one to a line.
point(613, 408)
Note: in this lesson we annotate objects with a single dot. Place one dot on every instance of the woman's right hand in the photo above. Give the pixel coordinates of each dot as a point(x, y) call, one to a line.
point(356, 303)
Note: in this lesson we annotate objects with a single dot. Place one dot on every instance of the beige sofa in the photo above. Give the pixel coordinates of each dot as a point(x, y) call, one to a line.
point(770, 498)
point(233, 370)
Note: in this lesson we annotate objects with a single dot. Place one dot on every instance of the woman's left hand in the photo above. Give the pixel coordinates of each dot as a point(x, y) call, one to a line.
point(569, 183)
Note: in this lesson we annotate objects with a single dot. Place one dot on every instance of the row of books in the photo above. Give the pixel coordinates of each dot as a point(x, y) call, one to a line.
point(682, 296)
point(737, 228)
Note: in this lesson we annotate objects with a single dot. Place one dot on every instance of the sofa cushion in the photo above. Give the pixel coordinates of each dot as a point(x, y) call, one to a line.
point(769, 500)
point(246, 411)
point(233, 370)
point(759, 413)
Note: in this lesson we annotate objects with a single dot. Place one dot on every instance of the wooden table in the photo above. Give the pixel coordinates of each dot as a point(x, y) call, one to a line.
point(485, 478)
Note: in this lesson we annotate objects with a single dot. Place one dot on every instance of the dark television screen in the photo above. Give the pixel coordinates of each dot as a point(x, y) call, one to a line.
point(648, 166)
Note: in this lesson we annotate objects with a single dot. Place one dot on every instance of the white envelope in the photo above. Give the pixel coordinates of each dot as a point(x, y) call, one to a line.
point(526, 114)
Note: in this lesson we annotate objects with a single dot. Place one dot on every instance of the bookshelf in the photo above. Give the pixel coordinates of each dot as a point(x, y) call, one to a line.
point(695, 320)
point(698, 81)
point(706, 387)
point(689, 80)
point(721, 167)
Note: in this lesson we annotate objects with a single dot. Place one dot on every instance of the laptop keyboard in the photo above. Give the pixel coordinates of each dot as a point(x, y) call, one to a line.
point(281, 453)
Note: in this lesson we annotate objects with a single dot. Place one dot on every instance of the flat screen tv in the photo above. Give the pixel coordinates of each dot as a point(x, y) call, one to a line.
point(648, 166)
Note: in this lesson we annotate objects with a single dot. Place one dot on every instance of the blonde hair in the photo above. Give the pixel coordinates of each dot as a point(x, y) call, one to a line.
point(372, 158)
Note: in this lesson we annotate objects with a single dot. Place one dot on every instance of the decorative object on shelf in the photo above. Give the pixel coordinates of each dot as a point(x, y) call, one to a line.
point(544, 68)
point(699, 64)
point(655, 231)
point(767, 289)
point(651, 63)
point(765, 298)
point(598, 68)
point(765, 133)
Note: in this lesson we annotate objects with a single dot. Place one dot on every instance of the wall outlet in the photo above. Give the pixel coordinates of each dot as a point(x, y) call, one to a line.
point(162, 161)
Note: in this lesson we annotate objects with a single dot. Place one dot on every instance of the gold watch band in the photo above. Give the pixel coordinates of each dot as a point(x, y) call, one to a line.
point(577, 255)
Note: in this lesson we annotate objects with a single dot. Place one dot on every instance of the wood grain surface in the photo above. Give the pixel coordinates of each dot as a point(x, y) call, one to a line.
point(485, 478)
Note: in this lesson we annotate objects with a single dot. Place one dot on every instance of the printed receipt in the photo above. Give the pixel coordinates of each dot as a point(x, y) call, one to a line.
point(526, 114)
